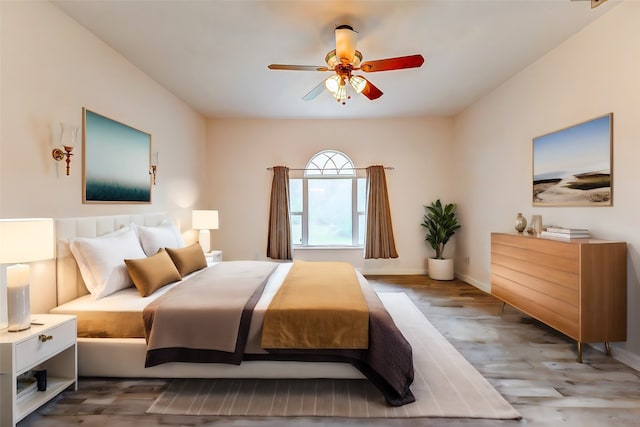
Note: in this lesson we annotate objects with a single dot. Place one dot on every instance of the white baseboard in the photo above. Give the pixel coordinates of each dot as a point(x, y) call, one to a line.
point(630, 359)
point(388, 272)
point(470, 280)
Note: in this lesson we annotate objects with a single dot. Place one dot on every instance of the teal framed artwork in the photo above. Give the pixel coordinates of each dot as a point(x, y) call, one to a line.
point(574, 166)
point(117, 160)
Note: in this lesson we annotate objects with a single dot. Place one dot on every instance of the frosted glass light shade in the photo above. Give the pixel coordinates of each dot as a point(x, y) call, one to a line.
point(341, 93)
point(332, 83)
point(331, 59)
point(346, 40)
point(357, 83)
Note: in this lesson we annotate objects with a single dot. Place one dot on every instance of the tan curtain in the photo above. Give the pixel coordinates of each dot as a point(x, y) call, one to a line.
point(379, 241)
point(279, 239)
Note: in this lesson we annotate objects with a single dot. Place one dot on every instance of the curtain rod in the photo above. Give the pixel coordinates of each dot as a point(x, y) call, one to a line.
point(333, 169)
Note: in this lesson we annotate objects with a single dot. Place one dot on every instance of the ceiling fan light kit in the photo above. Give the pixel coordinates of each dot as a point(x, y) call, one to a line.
point(346, 39)
point(357, 83)
point(344, 60)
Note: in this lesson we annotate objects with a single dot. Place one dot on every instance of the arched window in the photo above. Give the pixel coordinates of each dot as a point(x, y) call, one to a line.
point(329, 162)
point(328, 204)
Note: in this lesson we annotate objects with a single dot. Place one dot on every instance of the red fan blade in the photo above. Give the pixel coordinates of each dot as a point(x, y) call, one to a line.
point(314, 92)
point(297, 67)
point(411, 61)
point(371, 92)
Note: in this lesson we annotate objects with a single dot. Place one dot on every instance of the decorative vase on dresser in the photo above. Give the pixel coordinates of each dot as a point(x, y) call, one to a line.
point(521, 223)
point(576, 286)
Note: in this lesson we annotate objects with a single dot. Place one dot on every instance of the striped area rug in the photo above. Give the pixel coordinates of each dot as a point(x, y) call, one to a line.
point(445, 385)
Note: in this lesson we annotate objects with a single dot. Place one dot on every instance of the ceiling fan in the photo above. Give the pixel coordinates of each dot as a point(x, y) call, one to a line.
point(344, 60)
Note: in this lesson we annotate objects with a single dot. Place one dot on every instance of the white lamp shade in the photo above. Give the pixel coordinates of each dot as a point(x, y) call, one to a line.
point(26, 240)
point(204, 220)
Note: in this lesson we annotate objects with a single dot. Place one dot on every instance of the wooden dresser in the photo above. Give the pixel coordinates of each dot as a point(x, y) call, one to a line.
point(578, 286)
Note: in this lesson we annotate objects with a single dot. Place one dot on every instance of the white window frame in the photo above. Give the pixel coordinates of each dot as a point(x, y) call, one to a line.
point(329, 169)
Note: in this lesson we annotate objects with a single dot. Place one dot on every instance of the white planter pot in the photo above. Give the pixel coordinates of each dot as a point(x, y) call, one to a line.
point(440, 269)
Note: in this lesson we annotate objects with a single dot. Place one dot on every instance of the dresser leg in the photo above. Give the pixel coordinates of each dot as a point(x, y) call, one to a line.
point(579, 352)
point(607, 348)
point(502, 309)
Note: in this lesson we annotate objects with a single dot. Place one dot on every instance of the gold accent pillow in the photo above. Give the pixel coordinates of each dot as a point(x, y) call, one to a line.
point(188, 259)
point(151, 273)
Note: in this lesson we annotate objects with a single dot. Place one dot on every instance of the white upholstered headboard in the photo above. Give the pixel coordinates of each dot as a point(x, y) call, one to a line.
point(69, 283)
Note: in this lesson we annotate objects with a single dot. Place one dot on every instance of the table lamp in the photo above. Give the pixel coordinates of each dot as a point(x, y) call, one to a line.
point(21, 241)
point(204, 221)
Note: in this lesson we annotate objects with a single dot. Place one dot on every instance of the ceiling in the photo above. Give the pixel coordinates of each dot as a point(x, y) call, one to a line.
point(213, 54)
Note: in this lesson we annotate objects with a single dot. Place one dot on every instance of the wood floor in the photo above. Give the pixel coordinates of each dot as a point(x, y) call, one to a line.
point(531, 365)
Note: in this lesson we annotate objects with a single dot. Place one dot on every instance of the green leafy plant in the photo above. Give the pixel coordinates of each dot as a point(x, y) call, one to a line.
point(440, 223)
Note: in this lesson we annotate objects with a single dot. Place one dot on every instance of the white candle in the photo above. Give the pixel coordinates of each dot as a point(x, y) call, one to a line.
point(18, 308)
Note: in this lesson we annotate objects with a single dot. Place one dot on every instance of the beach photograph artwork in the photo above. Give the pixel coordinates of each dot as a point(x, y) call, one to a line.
point(572, 166)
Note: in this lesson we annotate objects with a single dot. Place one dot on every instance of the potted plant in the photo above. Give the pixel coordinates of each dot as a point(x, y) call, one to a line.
point(440, 223)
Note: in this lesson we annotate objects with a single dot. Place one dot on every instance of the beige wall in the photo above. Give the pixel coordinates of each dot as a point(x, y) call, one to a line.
point(593, 73)
point(241, 150)
point(51, 67)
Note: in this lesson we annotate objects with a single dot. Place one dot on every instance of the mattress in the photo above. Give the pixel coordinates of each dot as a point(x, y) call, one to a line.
point(119, 315)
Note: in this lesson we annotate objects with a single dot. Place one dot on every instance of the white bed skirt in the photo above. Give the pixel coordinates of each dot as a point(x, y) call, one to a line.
point(124, 358)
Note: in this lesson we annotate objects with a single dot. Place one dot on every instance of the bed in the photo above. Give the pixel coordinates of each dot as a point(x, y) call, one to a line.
point(113, 337)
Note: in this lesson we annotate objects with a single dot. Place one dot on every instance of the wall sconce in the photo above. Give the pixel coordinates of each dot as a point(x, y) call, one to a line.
point(58, 155)
point(154, 166)
point(68, 138)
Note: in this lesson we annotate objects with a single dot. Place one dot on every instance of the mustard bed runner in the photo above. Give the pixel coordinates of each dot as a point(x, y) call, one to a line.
point(320, 305)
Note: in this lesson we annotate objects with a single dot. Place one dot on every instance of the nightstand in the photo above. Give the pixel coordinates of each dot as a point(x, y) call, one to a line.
point(50, 344)
point(213, 257)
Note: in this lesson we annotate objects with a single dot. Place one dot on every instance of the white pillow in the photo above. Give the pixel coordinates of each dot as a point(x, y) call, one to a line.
point(165, 235)
point(101, 260)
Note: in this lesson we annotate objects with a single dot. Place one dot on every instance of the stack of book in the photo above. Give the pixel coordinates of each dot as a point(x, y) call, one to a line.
point(566, 233)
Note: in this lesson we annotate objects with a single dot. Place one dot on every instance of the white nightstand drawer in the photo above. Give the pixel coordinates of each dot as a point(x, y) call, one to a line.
point(41, 346)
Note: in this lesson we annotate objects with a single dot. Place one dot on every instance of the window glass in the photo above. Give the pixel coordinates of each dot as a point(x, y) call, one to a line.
point(330, 213)
point(362, 194)
point(296, 229)
point(295, 195)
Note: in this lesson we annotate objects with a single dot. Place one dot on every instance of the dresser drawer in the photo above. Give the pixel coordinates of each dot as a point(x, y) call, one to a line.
point(34, 350)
